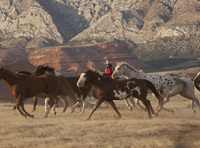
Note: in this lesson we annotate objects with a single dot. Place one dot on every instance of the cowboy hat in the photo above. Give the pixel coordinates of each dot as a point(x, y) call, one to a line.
point(107, 62)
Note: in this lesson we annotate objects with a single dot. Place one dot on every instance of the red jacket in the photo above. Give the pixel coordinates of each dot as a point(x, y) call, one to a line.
point(109, 71)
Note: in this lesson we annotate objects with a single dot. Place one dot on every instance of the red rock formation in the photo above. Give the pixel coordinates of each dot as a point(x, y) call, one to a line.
point(77, 58)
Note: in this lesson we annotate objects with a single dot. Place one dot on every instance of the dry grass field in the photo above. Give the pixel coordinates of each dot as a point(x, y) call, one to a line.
point(175, 130)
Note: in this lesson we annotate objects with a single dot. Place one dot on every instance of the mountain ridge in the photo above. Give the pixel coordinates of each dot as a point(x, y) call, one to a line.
point(164, 25)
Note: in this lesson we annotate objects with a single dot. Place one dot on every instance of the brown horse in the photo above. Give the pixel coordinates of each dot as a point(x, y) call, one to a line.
point(111, 89)
point(24, 87)
point(81, 93)
point(40, 70)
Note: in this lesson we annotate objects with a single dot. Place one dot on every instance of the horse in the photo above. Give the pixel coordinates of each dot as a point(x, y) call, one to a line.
point(197, 81)
point(40, 70)
point(110, 89)
point(81, 93)
point(167, 85)
point(24, 87)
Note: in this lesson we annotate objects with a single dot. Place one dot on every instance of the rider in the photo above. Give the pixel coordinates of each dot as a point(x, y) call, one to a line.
point(109, 69)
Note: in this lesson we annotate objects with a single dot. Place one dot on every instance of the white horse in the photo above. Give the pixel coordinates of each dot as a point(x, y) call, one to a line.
point(167, 85)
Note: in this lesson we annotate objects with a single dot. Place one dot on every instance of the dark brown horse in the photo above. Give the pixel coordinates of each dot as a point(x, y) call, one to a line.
point(24, 87)
point(111, 89)
point(81, 93)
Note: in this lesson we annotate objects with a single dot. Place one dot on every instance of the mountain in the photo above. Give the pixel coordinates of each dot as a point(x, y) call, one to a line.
point(153, 29)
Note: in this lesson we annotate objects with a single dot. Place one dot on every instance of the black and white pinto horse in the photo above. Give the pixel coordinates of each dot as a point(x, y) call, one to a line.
point(83, 91)
point(110, 89)
point(167, 85)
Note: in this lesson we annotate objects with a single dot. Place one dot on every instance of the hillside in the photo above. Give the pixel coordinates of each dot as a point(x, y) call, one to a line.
point(153, 29)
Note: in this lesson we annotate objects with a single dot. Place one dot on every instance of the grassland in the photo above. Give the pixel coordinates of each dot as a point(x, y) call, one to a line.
point(170, 130)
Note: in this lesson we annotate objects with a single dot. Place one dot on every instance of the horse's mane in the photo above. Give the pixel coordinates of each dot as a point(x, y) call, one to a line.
point(93, 70)
point(23, 72)
point(45, 67)
point(128, 65)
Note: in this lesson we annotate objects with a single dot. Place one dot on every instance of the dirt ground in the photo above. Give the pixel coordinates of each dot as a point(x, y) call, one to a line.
point(170, 130)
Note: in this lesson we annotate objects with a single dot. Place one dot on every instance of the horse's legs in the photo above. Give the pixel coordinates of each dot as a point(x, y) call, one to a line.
point(35, 101)
point(165, 94)
point(54, 104)
point(47, 108)
point(148, 106)
point(17, 106)
point(98, 103)
point(138, 103)
point(152, 110)
point(14, 107)
point(112, 104)
point(23, 109)
point(64, 100)
point(74, 106)
point(77, 101)
point(194, 99)
point(54, 109)
point(83, 107)
point(128, 105)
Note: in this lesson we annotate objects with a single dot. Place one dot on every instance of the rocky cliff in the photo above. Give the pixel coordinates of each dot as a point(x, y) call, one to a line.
point(77, 58)
point(146, 25)
point(59, 21)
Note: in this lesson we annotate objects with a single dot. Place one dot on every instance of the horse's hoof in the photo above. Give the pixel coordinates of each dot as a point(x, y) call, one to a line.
point(45, 116)
point(194, 111)
point(72, 110)
point(32, 116)
point(54, 113)
point(117, 117)
point(150, 117)
point(131, 108)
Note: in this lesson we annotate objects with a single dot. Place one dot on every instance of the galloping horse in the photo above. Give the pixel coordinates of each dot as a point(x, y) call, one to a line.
point(110, 89)
point(24, 87)
point(167, 85)
point(81, 93)
point(40, 70)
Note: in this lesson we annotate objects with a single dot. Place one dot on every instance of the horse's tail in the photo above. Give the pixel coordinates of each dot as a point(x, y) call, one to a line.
point(196, 81)
point(153, 89)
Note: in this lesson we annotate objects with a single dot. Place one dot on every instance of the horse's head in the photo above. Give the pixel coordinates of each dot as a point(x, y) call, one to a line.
point(82, 80)
point(124, 69)
point(40, 70)
point(119, 71)
point(89, 76)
